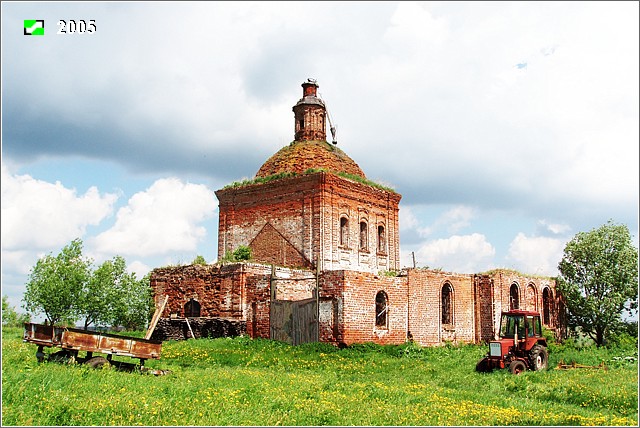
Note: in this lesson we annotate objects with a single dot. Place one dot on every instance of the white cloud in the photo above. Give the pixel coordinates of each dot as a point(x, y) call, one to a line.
point(407, 219)
point(139, 268)
point(457, 218)
point(163, 218)
point(41, 215)
point(554, 228)
point(536, 255)
point(464, 254)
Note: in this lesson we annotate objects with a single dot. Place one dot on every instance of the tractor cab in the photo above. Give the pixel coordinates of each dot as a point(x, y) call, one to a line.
point(524, 327)
point(520, 338)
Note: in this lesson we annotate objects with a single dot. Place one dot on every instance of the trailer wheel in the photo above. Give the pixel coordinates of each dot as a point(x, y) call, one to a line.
point(98, 362)
point(538, 357)
point(517, 367)
point(60, 356)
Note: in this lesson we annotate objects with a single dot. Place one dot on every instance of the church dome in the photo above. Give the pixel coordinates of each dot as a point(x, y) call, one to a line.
point(300, 156)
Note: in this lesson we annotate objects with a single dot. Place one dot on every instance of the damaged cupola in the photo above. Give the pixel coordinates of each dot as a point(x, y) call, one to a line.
point(310, 114)
point(310, 150)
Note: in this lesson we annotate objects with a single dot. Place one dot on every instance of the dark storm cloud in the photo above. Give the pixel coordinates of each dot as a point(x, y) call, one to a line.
point(26, 138)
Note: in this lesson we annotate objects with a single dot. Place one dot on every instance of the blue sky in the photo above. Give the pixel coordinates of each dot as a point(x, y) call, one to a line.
point(507, 127)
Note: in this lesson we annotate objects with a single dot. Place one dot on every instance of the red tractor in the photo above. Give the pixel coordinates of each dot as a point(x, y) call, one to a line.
point(521, 345)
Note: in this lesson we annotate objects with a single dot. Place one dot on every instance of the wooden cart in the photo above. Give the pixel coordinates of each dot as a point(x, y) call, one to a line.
point(73, 340)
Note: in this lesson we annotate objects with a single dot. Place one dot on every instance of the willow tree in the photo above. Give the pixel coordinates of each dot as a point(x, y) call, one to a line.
point(599, 280)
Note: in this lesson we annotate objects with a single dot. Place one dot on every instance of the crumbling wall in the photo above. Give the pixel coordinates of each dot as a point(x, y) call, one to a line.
point(426, 324)
point(177, 329)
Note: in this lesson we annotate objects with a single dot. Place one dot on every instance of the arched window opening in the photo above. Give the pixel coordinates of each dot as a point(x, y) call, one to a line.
point(532, 298)
point(192, 309)
point(546, 307)
point(344, 231)
point(447, 304)
point(382, 309)
point(382, 247)
point(364, 244)
point(514, 298)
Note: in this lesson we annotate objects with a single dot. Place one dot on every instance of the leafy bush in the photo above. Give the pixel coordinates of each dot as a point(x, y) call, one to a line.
point(199, 260)
point(242, 253)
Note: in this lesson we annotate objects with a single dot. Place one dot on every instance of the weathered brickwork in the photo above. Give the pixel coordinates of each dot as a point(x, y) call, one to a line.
point(177, 329)
point(429, 307)
point(334, 239)
point(314, 220)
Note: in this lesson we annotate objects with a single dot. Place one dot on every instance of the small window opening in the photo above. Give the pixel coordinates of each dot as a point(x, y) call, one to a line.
point(344, 232)
point(381, 239)
point(192, 309)
point(546, 306)
point(514, 298)
point(382, 309)
point(363, 236)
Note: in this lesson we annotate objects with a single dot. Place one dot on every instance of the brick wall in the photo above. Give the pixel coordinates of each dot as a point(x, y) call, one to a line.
point(425, 307)
point(237, 291)
point(348, 308)
point(288, 206)
point(494, 289)
point(295, 222)
point(347, 301)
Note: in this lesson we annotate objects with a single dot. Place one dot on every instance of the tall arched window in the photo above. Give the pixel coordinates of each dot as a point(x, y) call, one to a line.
point(546, 306)
point(344, 232)
point(532, 298)
point(382, 247)
point(364, 241)
point(192, 309)
point(382, 309)
point(514, 297)
point(447, 304)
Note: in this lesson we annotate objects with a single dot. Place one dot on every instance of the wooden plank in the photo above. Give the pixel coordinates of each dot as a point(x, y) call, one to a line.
point(189, 325)
point(156, 317)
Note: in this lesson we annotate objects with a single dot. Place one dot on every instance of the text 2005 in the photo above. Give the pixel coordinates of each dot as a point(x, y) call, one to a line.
point(80, 26)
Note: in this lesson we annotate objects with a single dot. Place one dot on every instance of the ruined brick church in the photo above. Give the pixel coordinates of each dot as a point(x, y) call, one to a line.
point(325, 262)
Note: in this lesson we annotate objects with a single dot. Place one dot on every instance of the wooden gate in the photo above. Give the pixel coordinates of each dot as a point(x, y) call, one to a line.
point(294, 322)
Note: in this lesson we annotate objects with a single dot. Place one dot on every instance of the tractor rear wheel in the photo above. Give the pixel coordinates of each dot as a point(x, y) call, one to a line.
point(538, 357)
point(517, 367)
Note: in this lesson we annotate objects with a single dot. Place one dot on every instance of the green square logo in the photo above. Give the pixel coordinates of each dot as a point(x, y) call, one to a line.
point(34, 27)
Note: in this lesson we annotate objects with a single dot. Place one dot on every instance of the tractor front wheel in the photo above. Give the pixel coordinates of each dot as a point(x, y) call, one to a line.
point(539, 357)
point(517, 367)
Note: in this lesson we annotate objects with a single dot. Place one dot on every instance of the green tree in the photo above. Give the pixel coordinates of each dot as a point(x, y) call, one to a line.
point(10, 317)
point(97, 303)
point(134, 306)
point(199, 260)
point(55, 284)
point(599, 280)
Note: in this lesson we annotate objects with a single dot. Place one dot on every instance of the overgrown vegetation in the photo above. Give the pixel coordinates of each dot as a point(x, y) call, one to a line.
point(199, 260)
point(241, 381)
point(281, 175)
point(67, 288)
point(240, 254)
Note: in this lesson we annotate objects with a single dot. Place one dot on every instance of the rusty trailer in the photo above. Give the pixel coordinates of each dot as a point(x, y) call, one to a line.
point(73, 340)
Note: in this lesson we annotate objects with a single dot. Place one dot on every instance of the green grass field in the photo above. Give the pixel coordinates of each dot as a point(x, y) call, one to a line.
point(241, 381)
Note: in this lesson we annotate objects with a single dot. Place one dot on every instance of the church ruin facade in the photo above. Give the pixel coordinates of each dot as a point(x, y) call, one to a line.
point(325, 262)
